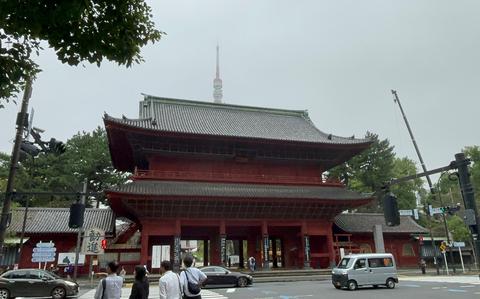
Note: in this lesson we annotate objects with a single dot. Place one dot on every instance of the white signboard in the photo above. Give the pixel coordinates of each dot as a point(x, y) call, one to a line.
point(92, 241)
point(434, 211)
point(44, 252)
point(405, 212)
point(415, 214)
point(65, 258)
point(160, 253)
point(234, 259)
point(458, 244)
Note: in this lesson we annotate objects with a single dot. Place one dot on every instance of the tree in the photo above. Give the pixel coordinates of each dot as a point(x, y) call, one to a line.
point(407, 192)
point(459, 230)
point(368, 171)
point(78, 30)
point(86, 157)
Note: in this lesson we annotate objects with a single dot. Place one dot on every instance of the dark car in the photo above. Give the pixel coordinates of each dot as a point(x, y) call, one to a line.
point(35, 283)
point(219, 277)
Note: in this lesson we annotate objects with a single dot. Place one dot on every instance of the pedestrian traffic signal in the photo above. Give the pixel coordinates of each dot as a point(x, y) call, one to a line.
point(56, 147)
point(390, 209)
point(77, 211)
point(104, 243)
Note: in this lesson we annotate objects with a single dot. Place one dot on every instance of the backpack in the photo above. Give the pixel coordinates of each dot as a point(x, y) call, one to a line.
point(193, 288)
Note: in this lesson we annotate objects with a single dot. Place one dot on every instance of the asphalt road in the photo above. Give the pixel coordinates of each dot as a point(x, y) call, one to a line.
point(324, 289)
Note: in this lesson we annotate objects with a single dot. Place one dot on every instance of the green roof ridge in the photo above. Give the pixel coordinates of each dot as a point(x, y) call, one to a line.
point(299, 113)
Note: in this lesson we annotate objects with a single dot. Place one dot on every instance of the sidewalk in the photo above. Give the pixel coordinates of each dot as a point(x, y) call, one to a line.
point(467, 279)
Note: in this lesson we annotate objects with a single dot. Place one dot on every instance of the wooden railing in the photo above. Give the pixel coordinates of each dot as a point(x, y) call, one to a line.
point(231, 177)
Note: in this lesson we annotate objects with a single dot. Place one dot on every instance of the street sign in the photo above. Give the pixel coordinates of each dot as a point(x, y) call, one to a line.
point(458, 244)
point(44, 252)
point(44, 249)
point(434, 211)
point(406, 212)
point(92, 241)
point(43, 245)
point(443, 247)
point(415, 214)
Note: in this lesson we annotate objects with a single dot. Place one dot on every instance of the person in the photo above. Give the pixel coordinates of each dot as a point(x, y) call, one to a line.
point(123, 272)
point(69, 270)
point(423, 266)
point(169, 283)
point(111, 286)
point(140, 287)
point(251, 263)
point(190, 279)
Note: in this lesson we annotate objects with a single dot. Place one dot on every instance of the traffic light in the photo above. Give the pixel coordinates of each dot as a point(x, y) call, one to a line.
point(77, 212)
point(29, 148)
point(104, 244)
point(390, 209)
point(451, 210)
point(56, 147)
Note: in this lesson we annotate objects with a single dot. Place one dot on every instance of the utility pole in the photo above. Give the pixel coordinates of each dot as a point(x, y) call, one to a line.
point(9, 192)
point(429, 181)
point(79, 235)
point(471, 211)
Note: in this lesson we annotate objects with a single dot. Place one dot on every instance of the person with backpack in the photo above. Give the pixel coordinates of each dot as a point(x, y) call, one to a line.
point(191, 279)
point(140, 287)
point(111, 286)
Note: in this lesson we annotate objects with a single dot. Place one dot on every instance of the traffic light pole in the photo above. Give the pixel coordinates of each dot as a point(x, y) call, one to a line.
point(424, 168)
point(21, 121)
point(469, 199)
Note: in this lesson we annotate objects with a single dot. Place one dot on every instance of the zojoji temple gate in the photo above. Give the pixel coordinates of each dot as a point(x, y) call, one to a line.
point(218, 172)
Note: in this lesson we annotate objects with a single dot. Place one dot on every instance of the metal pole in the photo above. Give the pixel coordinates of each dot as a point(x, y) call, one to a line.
point(469, 199)
point(446, 264)
point(79, 235)
point(422, 163)
point(21, 121)
point(461, 258)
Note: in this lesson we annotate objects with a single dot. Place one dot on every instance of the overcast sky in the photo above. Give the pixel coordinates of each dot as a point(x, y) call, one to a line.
point(337, 59)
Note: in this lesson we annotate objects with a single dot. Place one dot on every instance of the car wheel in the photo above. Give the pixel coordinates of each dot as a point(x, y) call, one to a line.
point(58, 293)
point(242, 282)
point(390, 283)
point(4, 294)
point(352, 285)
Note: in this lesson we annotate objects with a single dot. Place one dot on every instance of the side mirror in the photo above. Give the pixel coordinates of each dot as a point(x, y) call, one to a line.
point(226, 271)
point(45, 278)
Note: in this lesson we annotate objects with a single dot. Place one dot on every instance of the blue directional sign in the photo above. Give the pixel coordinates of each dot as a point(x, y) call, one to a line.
point(44, 252)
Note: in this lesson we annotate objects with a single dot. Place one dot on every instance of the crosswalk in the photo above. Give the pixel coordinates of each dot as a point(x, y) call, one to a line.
point(154, 294)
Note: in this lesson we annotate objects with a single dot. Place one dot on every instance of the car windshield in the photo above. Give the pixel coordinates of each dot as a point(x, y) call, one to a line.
point(345, 263)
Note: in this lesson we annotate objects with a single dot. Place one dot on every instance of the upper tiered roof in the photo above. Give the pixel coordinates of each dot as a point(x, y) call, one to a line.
point(214, 119)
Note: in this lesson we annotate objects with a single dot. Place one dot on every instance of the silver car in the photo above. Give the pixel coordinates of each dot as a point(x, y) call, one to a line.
point(373, 269)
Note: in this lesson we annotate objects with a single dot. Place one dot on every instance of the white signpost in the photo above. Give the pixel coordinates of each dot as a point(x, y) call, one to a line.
point(43, 253)
point(459, 245)
point(92, 242)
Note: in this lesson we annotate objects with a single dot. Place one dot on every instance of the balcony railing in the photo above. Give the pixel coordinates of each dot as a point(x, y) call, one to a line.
point(232, 177)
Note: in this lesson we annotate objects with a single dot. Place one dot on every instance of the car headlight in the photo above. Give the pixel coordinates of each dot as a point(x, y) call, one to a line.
point(70, 283)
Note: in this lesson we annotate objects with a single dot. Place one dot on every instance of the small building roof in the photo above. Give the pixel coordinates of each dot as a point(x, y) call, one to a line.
point(364, 223)
point(218, 119)
point(235, 190)
point(55, 220)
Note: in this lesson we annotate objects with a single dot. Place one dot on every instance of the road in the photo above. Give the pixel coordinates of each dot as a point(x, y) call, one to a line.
point(414, 287)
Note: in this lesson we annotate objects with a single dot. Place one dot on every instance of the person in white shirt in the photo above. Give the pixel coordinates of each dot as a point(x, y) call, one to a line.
point(193, 276)
point(111, 286)
point(169, 282)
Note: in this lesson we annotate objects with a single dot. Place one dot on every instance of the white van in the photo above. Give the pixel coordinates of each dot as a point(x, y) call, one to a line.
point(365, 269)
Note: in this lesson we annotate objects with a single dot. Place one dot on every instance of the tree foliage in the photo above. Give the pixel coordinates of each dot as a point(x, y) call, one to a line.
point(86, 158)
point(78, 30)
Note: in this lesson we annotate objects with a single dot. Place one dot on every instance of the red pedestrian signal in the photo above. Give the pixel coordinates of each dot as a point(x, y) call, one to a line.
point(104, 244)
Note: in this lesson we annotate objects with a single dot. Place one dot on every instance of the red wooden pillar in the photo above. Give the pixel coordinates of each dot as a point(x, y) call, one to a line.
point(331, 251)
point(144, 244)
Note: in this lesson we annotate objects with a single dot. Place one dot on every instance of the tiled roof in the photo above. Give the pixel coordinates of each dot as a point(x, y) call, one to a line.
point(364, 223)
point(212, 119)
point(55, 220)
point(182, 188)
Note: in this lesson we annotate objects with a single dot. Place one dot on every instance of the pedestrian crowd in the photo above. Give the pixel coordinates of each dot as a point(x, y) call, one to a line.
point(187, 285)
